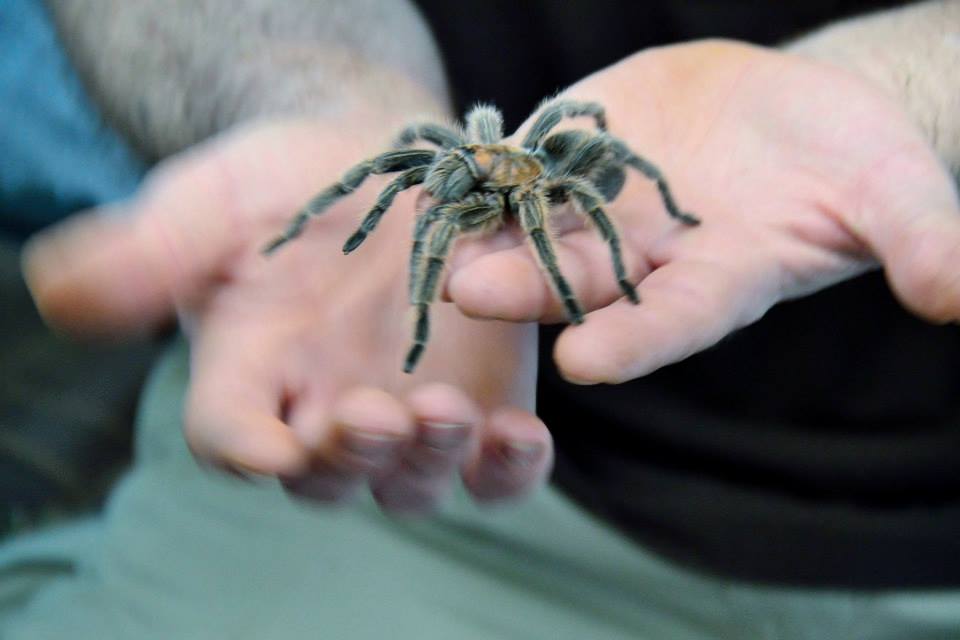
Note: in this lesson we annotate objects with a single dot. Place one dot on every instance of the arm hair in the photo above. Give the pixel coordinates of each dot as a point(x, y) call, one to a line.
point(169, 73)
point(913, 53)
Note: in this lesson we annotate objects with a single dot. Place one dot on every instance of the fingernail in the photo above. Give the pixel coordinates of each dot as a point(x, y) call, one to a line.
point(239, 471)
point(243, 468)
point(369, 445)
point(443, 435)
point(522, 454)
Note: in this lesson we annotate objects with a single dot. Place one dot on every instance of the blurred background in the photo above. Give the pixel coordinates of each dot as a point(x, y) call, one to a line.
point(65, 409)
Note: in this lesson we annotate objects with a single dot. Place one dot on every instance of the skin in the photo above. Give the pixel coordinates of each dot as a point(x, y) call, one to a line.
point(803, 174)
point(295, 359)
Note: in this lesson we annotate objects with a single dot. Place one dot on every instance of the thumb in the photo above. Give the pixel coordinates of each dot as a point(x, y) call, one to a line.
point(119, 271)
point(914, 230)
point(923, 265)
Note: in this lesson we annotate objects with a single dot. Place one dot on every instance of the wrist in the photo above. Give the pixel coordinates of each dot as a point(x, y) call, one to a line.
point(912, 54)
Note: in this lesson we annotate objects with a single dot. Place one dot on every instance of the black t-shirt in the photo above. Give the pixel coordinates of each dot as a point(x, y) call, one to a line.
point(820, 446)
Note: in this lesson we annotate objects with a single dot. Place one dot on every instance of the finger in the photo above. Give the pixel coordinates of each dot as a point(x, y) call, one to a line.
point(512, 458)
point(922, 261)
point(445, 421)
point(97, 275)
point(924, 267)
point(509, 285)
point(686, 306)
point(232, 421)
point(119, 270)
point(911, 221)
point(369, 428)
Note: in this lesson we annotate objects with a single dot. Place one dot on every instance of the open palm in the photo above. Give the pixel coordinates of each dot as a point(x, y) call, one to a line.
point(296, 359)
point(803, 176)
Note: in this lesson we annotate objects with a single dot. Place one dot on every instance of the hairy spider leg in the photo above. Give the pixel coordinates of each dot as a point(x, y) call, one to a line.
point(420, 231)
point(531, 208)
point(482, 212)
point(472, 213)
point(554, 112)
point(454, 174)
point(591, 203)
point(409, 178)
point(389, 162)
point(581, 150)
point(484, 124)
point(439, 135)
point(440, 243)
point(648, 169)
point(425, 274)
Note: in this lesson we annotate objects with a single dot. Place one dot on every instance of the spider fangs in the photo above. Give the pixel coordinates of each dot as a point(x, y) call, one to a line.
point(477, 183)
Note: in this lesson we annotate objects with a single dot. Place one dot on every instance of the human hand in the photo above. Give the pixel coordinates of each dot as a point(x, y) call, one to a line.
point(803, 176)
point(296, 359)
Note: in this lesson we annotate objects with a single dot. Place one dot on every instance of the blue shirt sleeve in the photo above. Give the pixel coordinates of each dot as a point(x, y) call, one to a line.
point(56, 153)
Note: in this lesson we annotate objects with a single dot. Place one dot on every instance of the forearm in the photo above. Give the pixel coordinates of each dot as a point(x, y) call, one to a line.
point(169, 73)
point(913, 53)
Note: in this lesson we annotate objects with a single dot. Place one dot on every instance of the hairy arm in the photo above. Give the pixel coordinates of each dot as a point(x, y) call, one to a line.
point(913, 53)
point(169, 73)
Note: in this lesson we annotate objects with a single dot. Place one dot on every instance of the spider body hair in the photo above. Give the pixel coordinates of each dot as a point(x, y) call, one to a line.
point(485, 124)
point(478, 183)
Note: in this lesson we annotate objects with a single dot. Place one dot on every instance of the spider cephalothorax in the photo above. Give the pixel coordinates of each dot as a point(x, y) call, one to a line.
point(478, 183)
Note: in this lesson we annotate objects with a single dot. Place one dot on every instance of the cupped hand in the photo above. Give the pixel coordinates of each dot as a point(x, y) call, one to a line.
point(296, 359)
point(802, 174)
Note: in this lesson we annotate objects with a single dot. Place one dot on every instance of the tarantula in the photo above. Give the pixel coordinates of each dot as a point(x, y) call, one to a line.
point(478, 183)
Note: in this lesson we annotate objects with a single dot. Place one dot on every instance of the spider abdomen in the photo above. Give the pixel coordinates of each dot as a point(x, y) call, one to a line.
point(503, 167)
